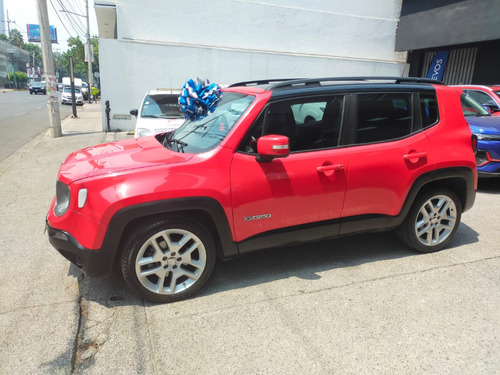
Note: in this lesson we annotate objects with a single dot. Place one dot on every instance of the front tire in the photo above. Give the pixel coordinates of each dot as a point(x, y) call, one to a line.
point(168, 260)
point(432, 221)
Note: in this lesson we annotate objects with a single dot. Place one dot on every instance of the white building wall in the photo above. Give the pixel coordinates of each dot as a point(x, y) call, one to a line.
point(165, 43)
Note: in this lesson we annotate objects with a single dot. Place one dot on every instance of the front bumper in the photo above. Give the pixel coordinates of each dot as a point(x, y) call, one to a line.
point(94, 263)
point(69, 101)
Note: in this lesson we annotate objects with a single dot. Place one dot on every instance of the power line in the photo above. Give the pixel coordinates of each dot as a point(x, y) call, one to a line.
point(76, 23)
point(62, 23)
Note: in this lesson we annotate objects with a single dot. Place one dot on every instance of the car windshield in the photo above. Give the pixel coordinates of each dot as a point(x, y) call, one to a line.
point(205, 134)
point(161, 106)
point(471, 108)
point(38, 84)
point(68, 89)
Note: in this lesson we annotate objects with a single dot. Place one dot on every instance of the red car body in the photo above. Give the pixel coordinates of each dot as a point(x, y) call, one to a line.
point(249, 204)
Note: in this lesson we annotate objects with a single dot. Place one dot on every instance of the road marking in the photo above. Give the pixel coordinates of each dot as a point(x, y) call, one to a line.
point(39, 107)
point(19, 114)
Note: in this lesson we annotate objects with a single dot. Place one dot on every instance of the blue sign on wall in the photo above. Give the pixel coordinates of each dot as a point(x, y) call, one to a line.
point(34, 33)
point(438, 65)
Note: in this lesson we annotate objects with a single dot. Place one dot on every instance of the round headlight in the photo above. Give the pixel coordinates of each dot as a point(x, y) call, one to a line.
point(63, 197)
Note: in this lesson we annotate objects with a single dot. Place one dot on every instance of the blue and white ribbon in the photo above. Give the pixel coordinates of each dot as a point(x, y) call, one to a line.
point(196, 100)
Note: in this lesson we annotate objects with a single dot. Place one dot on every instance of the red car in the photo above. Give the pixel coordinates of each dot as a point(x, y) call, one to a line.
point(385, 153)
point(487, 96)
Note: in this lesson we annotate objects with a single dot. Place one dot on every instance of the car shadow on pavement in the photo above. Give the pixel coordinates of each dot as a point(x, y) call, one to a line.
point(306, 262)
point(489, 185)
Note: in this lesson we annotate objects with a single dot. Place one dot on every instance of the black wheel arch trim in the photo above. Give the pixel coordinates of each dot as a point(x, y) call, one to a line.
point(366, 223)
point(100, 263)
point(448, 177)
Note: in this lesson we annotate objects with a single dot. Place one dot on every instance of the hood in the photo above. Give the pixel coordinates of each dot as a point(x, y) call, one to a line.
point(484, 124)
point(117, 157)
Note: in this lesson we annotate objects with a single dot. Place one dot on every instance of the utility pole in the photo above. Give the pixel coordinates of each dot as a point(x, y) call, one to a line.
point(48, 67)
point(8, 22)
point(89, 54)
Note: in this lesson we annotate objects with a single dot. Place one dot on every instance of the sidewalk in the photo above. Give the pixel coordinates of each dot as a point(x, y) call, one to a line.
point(39, 307)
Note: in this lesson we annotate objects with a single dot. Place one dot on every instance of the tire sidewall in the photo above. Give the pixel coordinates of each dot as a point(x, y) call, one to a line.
point(137, 240)
point(410, 222)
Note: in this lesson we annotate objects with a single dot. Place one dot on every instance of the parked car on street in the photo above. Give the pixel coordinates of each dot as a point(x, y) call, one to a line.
point(38, 88)
point(484, 95)
point(387, 153)
point(159, 113)
point(487, 129)
point(66, 97)
point(59, 87)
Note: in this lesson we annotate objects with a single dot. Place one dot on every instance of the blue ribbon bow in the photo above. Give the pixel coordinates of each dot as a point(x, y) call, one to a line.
point(197, 99)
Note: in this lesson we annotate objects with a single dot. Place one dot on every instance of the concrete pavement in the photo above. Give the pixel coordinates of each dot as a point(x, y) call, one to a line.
point(358, 305)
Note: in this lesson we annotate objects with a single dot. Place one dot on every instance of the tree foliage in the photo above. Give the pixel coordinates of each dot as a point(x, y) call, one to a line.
point(16, 38)
point(77, 52)
point(20, 77)
point(61, 60)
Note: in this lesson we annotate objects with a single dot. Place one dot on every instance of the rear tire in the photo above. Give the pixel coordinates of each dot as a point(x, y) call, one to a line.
point(432, 221)
point(168, 260)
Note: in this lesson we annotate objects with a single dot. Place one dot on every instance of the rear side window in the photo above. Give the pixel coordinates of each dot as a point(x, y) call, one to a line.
point(428, 109)
point(383, 117)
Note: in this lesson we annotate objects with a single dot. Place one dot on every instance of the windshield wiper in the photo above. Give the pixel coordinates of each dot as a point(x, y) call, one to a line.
point(169, 141)
point(150, 116)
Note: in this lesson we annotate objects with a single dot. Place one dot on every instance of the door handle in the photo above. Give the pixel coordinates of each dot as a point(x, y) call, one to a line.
point(329, 169)
point(414, 157)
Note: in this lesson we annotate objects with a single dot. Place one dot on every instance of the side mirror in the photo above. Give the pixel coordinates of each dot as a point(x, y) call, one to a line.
point(492, 108)
point(272, 146)
point(134, 112)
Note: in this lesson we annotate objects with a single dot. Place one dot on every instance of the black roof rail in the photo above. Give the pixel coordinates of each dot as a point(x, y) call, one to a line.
point(263, 82)
point(317, 81)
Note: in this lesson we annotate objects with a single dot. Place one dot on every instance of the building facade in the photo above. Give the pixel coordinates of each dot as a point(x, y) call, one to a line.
point(12, 59)
point(463, 34)
point(165, 43)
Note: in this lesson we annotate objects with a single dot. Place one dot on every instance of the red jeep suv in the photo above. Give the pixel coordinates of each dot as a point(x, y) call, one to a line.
point(278, 162)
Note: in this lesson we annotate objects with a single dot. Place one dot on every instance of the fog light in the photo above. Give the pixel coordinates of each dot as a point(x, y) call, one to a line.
point(482, 157)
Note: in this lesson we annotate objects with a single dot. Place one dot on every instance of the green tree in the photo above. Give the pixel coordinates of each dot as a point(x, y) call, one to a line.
point(4, 38)
point(77, 51)
point(33, 48)
point(16, 38)
point(20, 77)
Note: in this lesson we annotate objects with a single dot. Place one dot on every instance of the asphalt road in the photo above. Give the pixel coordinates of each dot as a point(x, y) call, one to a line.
point(22, 118)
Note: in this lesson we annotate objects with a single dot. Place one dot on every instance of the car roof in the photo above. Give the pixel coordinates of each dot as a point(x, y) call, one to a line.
point(477, 87)
point(289, 87)
point(286, 83)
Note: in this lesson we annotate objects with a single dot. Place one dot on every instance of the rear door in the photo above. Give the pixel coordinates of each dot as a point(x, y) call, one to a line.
point(388, 151)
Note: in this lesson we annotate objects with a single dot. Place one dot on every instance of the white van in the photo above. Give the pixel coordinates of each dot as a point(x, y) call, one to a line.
point(159, 113)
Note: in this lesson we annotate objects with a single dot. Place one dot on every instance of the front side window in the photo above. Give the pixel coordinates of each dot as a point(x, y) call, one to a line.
point(472, 108)
point(161, 106)
point(309, 123)
point(383, 117)
point(481, 97)
point(196, 136)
